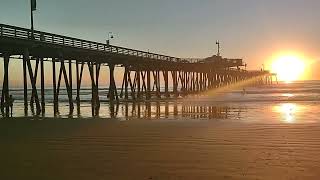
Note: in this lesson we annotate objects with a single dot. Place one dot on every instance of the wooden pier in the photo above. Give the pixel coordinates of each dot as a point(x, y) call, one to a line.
point(146, 75)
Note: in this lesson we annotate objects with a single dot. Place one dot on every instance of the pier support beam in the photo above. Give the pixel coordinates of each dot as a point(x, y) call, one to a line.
point(93, 87)
point(97, 98)
point(94, 70)
point(138, 84)
point(33, 83)
point(5, 88)
point(79, 79)
point(35, 77)
point(68, 86)
point(166, 83)
point(148, 85)
point(156, 84)
point(42, 87)
point(132, 84)
point(196, 82)
point(175, 83)
point(25, 84)
point(112, 87)
point(126, 75)
point(54, 83)
point(144, 87)
point(70, 83)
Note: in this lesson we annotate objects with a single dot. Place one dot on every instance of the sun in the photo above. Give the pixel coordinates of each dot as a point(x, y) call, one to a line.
point(288, 68)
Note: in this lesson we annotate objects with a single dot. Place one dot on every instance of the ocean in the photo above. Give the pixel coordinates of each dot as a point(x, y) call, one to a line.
point(269, 132)
point(295, 102)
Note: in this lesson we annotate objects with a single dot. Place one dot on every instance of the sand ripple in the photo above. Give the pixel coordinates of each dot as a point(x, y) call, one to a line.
point(107, 149)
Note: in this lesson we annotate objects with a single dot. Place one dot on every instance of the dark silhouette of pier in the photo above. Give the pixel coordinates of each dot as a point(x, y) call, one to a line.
point(144, 72)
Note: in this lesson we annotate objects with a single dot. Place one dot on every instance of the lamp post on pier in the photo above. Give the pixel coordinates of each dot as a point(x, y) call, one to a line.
point(218, 43)
point(33, 5)
point(110, 36)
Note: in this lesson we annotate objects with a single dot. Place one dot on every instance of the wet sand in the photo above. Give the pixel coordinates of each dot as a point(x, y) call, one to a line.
point(149, 149)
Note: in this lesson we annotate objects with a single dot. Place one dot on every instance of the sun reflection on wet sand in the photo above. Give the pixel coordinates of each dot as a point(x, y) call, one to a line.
point(287, 95)
point(288, 112)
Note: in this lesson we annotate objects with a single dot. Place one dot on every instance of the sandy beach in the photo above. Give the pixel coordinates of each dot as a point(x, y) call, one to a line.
point(148, 149)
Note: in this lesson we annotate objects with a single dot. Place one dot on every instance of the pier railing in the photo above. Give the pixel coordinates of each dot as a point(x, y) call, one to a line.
point(39, 36)
point(49, 38)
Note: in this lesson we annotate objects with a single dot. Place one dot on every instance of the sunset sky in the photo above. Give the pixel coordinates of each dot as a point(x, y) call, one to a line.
point(255, 30)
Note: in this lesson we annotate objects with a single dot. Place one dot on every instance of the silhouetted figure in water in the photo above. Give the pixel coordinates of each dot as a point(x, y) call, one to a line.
point(10, 104)
point(244, 91)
